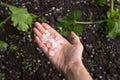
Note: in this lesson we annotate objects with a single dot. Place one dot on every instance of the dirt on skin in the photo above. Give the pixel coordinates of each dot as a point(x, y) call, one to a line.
point(101, 55)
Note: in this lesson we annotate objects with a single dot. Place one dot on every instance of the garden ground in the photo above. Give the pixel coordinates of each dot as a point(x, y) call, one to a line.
point(101, 55)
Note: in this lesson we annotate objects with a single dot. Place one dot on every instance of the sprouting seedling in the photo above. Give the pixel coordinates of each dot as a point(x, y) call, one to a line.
point(70, 21)
point(101, 2)
point(21, 18)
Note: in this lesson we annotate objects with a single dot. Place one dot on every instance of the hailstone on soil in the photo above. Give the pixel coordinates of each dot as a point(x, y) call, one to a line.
point(51, 42)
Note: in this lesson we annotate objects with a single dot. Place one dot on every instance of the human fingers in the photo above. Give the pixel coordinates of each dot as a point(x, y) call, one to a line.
point(37, 32)
point(75, 38)
point(41, 45)
point(39, 27)
point(49, 52)
point(52, 31)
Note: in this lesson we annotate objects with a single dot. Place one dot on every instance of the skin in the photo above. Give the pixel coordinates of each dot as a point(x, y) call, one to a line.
point(68, 58)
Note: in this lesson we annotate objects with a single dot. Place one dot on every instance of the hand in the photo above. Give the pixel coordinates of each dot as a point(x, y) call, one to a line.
point(68, 53)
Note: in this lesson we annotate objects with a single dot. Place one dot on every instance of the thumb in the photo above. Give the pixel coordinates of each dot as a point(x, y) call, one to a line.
point(75, 38)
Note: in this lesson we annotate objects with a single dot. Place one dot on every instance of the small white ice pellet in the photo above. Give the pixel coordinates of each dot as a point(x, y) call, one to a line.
point(51, 53)
point(47, 33)
point(55, 45)
point(52, 40)
point(48, 45)
point(44, 38)
point(57, 38)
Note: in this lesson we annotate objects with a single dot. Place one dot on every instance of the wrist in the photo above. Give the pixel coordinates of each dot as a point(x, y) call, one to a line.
point(74, 70)
point(77, 71)
point(73, 67)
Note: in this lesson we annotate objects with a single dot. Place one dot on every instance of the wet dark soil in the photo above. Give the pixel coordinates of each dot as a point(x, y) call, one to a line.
point(101, 55)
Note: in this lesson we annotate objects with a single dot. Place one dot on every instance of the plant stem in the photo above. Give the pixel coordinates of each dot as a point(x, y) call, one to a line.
point(4, 21)
point(97, 22)
point(112, 8)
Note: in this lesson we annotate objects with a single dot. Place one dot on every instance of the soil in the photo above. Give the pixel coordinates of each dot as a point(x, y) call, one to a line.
point(101, 55)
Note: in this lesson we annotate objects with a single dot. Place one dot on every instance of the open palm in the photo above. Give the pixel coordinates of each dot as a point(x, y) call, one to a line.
point(67, 54)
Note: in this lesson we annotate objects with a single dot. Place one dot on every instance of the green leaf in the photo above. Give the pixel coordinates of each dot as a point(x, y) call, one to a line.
point(64, 33)
point(100, 1)
point(115, 14)
point(21, 18)
point(77, 29)
point(113, 28)
point(72, 16)
point(119, 1)
point(68, 23)
point(3, 46)
point(69, 18)
point(64, 23)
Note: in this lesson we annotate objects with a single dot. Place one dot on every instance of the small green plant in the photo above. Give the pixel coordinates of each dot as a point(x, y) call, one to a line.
point(3, 46)
point(21, 18)
point(18, 53)
point(113, 21)
point(91, 64)
point(101, 2)
point(69, 22)
point(28, 65)
point(31, 65)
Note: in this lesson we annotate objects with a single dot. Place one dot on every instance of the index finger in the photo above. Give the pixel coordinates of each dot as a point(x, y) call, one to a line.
point(53, 31)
